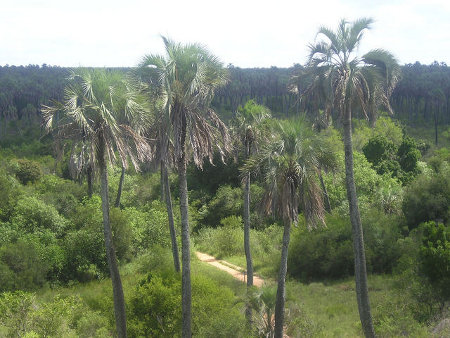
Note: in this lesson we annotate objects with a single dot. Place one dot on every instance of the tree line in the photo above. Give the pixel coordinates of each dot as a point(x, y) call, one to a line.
point(421, 95)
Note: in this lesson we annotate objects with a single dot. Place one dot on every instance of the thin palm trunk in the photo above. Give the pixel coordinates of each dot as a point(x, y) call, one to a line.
point(119, 301)
point(162, 180)
point(90, 179)
point(362, 292)
point(281, 290)
point(168, 200)
point(248, 254)
point(325, 192)
point(185, 239)
point(119, 191)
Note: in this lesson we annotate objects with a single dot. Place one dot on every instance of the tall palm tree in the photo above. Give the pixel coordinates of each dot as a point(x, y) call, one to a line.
point(94, 102)
point(248, 126)
point(290, 168)
point(366, 81)
point(188, 77)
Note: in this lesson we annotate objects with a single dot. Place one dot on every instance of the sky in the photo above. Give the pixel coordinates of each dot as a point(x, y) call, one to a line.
point(245, 33)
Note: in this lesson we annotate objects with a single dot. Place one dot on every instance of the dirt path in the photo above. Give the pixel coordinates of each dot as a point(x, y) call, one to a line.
point(234, 270)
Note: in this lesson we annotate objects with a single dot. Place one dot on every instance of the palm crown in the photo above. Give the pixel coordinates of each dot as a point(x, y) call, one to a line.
point(368, 80)
point(185, 79)
point(101, 109)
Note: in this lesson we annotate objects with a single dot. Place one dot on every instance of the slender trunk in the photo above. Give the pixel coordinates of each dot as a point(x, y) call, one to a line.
point(119, 301)
point(248, 254)
point(362, 293)
point(119, 191)
point(281, 290)
point(90, 179)
point(185, 240)
point(325, 192)
point(436, 126)
point(162, 180)
point(168, 199)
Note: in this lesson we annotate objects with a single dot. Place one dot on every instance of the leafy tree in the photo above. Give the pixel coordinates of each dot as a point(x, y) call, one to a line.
point(367, 81)
point(289, 164)
point(96, 101)
point(188, 76)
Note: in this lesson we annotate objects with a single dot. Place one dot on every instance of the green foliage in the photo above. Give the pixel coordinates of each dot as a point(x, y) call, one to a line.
point(155, 308)
point(31, 215)
point(62, 194)
point(22, 315)
point(148, 228)
point(385, 128)
point(226, 240)
point(427, 199)
point(227, 201)
point(387, 158)
point(379, 149)
point(434, 257)
point(21, 266)
point(10, 192)
point(327, 252)
point(28, 171)
point(408, 155)
point(15, 309)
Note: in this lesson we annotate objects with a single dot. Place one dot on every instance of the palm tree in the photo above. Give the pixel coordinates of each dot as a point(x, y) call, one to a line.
point(290, 168)
point(248, 127)
point(94, 102)
point(187, 78)
point(367, 81)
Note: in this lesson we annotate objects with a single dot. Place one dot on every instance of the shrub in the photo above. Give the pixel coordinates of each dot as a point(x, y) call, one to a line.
point(327, 252)
point(22, 266)
point(155, 308)
point(434, 258)
point(224, 241)
point(28, 171)
point(31, 215)
point(226, 202)
point(10, 192)
point(427, 199)
point(148, 228)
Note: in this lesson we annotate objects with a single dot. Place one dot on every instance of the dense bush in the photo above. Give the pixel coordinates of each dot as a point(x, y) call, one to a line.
point(155, 308)
point(434, 258)
point(21, 266)
point(327, 252)
point(427, 199)
point(21, 315)
point(28, 171)
point(10, 192)
point(31, 215)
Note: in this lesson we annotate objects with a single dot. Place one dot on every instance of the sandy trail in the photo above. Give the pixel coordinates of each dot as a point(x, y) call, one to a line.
point(234, 270)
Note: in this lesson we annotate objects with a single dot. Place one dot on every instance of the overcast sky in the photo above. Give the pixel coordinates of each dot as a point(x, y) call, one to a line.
point(245, 33)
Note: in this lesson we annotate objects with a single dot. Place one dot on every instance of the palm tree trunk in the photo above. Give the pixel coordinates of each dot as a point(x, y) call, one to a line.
point(119, 301)
point(325, 192)
point(119, 191)
point(162, 183)
point(168, 199)
point(90, 179)
point(362, 292)
point(248, 254)
point(185, 240)
point(281, 290)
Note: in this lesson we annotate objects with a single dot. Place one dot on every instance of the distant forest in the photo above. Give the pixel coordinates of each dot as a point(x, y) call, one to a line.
point(422, 95)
